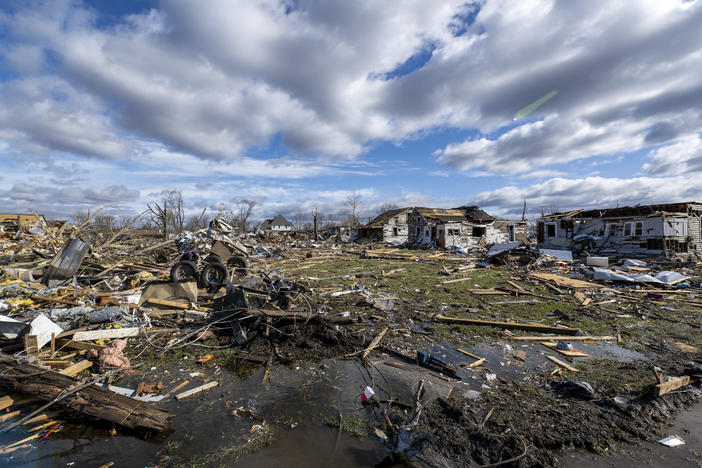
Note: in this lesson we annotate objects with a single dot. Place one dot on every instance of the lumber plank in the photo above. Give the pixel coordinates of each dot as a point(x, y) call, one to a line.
point(511, 325)
point(563, 337)
point(562, 364)
point(106, 334)
point(374, 343)
point(670, 385)
point(565, 281)
point(163, 302)
point(76, 368)
point(195, 390)
point(554, 346)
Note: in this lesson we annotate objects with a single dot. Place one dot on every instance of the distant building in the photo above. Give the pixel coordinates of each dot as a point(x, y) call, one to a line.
point(462, 227)
point(643, 230)
point(279, 223)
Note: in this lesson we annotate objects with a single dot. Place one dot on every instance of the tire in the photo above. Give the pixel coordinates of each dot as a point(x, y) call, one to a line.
point(240, 265)
point(214, 275)
point(212, 258)
point(183, 270)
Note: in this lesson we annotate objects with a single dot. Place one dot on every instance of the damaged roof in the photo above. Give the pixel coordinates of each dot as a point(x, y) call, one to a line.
point(474, 213)
point(463, 213)
point(636, 210)
point(383, 218)
point(441, 214)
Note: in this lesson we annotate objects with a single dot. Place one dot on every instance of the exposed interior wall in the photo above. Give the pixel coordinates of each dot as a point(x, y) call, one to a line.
point(514, 231)
point(396, 229)
point(649, 235)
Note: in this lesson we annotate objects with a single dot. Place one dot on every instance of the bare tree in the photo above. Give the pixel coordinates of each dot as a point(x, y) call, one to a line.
point(196, 222)
point(242, 213)
point(159, 216)
point(169, 214)
point(353, 203)
point(298, 219)
point(387, 207)
point(176, 211)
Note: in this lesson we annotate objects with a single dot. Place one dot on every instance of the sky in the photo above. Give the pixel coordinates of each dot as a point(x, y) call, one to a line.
point(300, 104)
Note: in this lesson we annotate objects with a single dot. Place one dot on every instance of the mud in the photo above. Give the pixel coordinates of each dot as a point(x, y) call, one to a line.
point(535, 422)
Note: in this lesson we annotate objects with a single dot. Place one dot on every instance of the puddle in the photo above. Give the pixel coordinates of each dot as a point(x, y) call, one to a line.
point(500, 359)
point(296, 403)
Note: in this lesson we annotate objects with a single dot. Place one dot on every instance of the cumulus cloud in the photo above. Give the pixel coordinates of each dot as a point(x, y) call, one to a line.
point(682, 157)
point(63, 201)
point(185, 92)
point(590, 192)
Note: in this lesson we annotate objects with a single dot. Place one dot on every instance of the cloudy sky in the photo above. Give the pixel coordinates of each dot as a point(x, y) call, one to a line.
point(300, 103)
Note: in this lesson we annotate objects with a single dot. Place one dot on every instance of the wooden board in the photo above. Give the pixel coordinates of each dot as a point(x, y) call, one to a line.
point(565, 281)
point(195, 390)
point(554, 346)
point(562, 337)
point(562, 364)
point(163, 302)
point(110, 334)
point(670, 385)
point(76, 368)
point(510, 325)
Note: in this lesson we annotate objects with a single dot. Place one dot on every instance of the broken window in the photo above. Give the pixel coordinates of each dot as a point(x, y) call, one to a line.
point(478, 231)
point(638, 230)
point(394, 231)
point(550, 230)
point(453, 232)
point(627, 229)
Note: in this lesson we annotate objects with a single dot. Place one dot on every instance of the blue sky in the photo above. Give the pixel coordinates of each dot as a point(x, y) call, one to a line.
point(300, 104)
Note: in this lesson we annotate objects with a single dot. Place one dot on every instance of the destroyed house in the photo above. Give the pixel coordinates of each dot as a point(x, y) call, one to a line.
point(279, 223)
point(11, 222)
point(391, 226)
point(463, 227)
point(651, 230)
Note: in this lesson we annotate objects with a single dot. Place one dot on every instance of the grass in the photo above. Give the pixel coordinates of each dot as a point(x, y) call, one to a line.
point(352, 425)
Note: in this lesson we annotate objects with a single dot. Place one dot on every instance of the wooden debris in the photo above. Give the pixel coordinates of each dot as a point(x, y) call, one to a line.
point(519, 354)
point(564, 281)
point(110, 334)
point(195, 390)
point(163, 302)
point(9, 415)
point(76, 368)
point(92, 399)
point(177, 387)
point(374, 343)
point(563, 337)
point(574, 353)
point(670, 385)
point(582, 299)
point(511, 325)
point(562, 364)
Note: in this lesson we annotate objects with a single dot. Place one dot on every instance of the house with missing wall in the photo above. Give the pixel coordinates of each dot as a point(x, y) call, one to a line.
point(279, 223)
point(463, 227)
point(391, 226)
point(671, 229)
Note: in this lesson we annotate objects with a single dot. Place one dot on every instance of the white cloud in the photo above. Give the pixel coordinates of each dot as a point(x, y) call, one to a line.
point(681, 157)
point(590, 192)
